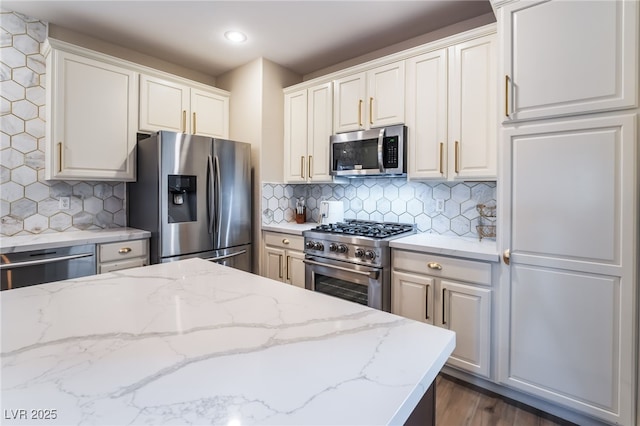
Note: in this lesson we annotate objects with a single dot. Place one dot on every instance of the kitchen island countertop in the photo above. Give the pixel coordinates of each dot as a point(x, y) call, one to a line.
point(193, 342)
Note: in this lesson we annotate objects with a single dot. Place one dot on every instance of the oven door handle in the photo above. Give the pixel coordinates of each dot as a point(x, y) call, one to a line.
point(372, 274)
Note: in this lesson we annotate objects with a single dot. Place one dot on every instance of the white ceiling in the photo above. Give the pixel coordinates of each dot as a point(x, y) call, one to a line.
point(304, 36)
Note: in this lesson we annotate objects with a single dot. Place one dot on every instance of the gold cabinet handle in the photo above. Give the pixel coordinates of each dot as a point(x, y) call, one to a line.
point(434, 265)
point(360, 113)
point(184, 121)
point(285, 241)
point(506, 256)
point(310, 168)
point(457, 159)
point(280, 266)
point(59, 157)
point(124, 250)
point(506, 95)
point(371, 110)
point(302, 167)
point(441, 157)
point(194, 124)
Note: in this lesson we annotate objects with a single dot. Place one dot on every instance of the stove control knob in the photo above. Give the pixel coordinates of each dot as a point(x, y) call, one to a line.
point(309, 245)
point(333, 247)
point(370, 255)
point(359, 252)
point(342, 248)
point(318, 246)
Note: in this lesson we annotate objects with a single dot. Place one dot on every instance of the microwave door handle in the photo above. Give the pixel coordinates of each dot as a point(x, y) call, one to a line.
point(380, 143)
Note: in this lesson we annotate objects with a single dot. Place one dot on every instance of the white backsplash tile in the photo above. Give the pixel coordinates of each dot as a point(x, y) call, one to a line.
point(389, 200)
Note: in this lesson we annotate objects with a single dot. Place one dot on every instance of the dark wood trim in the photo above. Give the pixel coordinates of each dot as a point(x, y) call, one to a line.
point(425, 412)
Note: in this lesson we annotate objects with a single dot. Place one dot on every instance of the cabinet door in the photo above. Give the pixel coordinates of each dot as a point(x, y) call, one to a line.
point(295, 268)
point(209, 114)
point(348, 103)
point(467, 311)
point(320, 128)
point(274, 263)
point(92, 121)
point(568, 57)
point(472, 109)
point(412, 296)
point(572, 205)
point(164, 105)
point(385, 95)
point(295, 136)
point(426, 91)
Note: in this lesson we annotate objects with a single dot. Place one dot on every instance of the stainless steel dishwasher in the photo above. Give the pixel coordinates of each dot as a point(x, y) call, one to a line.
point(42, 266)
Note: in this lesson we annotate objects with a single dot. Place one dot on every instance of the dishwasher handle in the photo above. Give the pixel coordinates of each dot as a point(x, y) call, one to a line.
point(43, 261)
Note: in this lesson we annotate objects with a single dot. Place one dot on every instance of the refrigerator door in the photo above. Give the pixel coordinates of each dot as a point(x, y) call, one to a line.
point(232, 193)
point(235, 257)
point(185, 186)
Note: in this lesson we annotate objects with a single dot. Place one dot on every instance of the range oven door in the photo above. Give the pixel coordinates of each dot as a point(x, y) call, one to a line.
point(356, 283)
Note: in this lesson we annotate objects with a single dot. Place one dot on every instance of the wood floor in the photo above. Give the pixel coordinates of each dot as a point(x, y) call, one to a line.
point(459, 404)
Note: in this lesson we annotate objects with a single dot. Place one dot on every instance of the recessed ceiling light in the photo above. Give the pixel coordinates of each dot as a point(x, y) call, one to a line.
point(235, 36)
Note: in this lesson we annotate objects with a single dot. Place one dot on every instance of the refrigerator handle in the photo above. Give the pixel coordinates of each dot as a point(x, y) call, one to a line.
point(216, 195)
point(211, 208)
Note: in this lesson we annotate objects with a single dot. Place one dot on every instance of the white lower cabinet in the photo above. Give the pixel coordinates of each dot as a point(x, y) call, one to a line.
point(283, 256)
point(450, 293)
point(122, 255)
point(569, 309)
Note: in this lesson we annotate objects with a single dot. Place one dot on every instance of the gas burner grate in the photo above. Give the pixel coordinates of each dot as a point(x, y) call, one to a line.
point(361, 228)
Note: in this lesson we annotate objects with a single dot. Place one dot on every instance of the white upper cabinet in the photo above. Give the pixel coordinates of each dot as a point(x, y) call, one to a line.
point(166, 104)
point(308, 127)
point(568, 57)
point(369, 99)
point(451, 111)
point(91, 116)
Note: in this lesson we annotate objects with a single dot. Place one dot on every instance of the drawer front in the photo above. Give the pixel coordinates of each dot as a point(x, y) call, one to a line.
point(123, 250)
point(442, 266)
point(125, 264)
point(285, 241)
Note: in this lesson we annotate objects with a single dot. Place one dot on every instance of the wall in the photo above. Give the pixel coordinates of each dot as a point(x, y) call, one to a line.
point(407, 44)
point(28, 203)
point(256, 116)
point(389, 200)
point(85, 41)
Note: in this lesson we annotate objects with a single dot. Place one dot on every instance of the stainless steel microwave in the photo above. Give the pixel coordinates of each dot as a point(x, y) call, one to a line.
point(375, 152)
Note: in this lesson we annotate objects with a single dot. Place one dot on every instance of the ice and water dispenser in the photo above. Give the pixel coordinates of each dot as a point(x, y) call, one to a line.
point(182, 201)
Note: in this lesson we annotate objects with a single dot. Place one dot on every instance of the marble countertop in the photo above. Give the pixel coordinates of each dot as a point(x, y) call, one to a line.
point(289, 227)
point(193, 342)
point(470, 248)
point(65, 239)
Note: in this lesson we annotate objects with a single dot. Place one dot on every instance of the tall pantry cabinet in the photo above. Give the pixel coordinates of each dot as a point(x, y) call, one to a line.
point(569, 204)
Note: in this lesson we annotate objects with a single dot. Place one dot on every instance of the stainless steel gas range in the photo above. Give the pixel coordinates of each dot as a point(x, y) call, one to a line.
point(352, 260)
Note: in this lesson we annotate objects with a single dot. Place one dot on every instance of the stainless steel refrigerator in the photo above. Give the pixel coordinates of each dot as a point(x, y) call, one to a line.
point(193, 193)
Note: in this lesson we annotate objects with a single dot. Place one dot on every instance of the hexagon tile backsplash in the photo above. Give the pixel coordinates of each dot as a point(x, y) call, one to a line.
point(388, 200)
point(28, 203)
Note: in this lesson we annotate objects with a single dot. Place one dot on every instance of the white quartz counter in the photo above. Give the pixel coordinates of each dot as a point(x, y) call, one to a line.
point(289, 227)
point(65, 239)
point(470, 248)
point(193, 342)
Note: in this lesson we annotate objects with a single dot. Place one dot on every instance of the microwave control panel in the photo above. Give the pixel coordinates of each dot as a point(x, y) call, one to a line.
point(390, 152)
